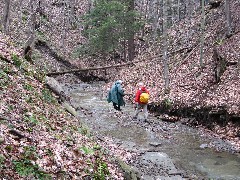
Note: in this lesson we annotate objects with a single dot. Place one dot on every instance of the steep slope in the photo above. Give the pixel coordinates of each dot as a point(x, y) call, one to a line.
point(39, 139)
point(194, 92)
point(189, 86)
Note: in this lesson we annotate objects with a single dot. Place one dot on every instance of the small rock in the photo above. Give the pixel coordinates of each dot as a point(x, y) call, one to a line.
point(175, 172)
point(203, 146)
point(155, 144)
point(1, 140)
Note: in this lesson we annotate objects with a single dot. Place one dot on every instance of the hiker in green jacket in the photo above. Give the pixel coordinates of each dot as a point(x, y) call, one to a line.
point(115, 95)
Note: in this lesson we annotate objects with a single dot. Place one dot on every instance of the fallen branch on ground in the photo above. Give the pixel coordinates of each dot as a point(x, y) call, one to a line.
point(111, 66)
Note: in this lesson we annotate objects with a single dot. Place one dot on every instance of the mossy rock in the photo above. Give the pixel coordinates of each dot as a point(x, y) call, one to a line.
point(129, 172)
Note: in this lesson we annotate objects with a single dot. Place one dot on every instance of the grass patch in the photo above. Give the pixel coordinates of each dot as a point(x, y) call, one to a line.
point(4, 79)
point(47, 96)
point(25, 168)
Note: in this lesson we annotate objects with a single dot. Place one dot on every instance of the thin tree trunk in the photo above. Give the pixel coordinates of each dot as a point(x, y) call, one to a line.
point(238, 69)
point(143, 10)
point(178, 10)
point(170, 3)
point(146, 9)
point(228, 18)
point(6, 16)
point(65, 24)
point(173, 11)
point(131, 46)
point(165, 57)
point(72, 12)
point(124, 50)
point(20, 12)
point(159, 19)
point(155, 18)
point(145, 15)
point(202, 35)
point(31, 37)
point(90, 5)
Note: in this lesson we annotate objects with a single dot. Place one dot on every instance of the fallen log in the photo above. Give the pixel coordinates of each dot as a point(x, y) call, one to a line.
point(58, 90)
point(111, 66)
point(87, 69)
point(70, 109)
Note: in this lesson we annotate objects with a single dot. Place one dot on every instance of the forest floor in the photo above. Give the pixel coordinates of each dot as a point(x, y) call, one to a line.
point(194, 94)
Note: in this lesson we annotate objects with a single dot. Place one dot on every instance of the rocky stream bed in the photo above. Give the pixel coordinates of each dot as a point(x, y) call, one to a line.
point(163, 150)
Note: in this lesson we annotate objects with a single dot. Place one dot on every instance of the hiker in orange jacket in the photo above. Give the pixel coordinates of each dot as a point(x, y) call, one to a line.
point(140, 105)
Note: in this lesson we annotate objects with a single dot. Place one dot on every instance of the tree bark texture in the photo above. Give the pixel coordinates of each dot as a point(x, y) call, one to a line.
point(228, 18)
point(6, 15)
point(202, 35)
point(131, 45)
point(31, 38)
point(165, 57)
point(220, 65)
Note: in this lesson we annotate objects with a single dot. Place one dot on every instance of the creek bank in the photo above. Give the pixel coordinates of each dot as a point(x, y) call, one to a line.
point(215, 120)
point(102, 120)
point(228, 126)
point(187, 148)
point(153, 137)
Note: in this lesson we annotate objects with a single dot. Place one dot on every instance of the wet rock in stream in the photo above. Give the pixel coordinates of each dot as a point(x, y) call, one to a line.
point(155, 144)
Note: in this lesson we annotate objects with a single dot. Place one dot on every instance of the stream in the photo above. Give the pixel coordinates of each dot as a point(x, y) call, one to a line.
point(166, 150)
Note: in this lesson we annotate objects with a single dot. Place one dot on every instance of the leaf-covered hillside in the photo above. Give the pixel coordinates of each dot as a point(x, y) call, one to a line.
point(39, 139)
point(189, 86)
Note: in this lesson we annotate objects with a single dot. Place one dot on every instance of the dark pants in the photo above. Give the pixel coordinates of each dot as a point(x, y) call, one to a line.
point(116, 106)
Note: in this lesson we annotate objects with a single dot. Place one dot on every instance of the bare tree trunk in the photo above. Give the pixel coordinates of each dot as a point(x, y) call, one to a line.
point(31, 37)
point(173, 11)
point(124, 51)
point(72, 12)
point(202, 35)
point(65, 23)
point(143, 10)
point(228, 18)
point(178, 10)
point(20, 13)
point(146, 9)
point(32, 23)
point(90, 5)
point(238, 69)
point(188, 16)
point(165, 57)
point(155, 18)
point(220, 65)
point(131, 46)
point(159, 18)
point(170, 14)
point(6, 17)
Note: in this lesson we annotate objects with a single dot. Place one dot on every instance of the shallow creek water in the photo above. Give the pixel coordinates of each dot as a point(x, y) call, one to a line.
point(187, 148)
